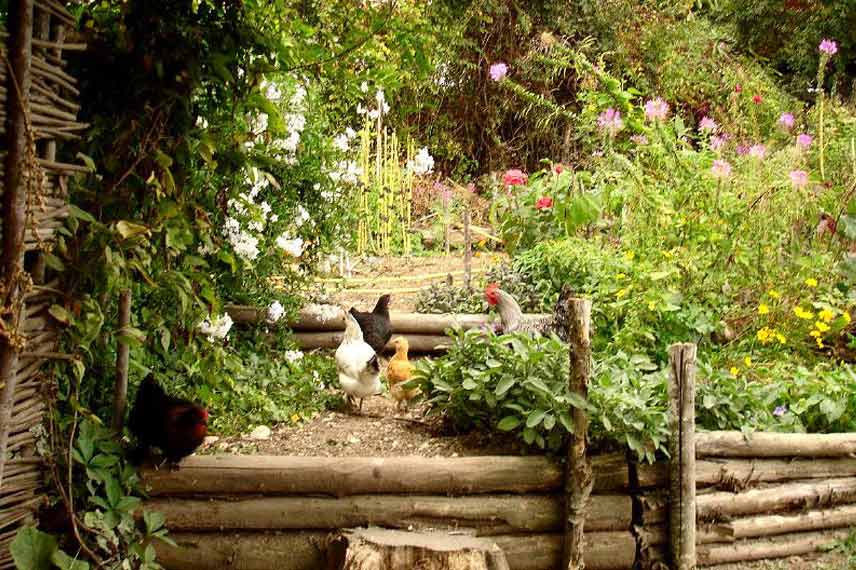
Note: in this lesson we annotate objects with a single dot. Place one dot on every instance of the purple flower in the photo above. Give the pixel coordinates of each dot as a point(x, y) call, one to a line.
point(498, 71)
point(786, 120)
point(707, 124)
point(639, 139)
point(718, 141)
point(610, 121)
point(757, 151)
point(799, 178)
point(780, 411)
point(742, 150)
point(829, 47)
point(720, 169)
point(656, 109)
point(804, 140)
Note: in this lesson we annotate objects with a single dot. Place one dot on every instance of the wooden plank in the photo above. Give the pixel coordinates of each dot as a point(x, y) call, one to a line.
point(765, 444)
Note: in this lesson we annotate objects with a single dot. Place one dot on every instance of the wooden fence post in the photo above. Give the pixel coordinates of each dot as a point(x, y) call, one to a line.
point(682, 485)
point(120, 391)
point(578, 475)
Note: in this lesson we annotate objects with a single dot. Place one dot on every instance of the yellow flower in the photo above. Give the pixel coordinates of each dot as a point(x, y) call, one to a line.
point(822, 327)
point(811, 282)
point(826, 315)
point(763, 309)
point(747, 361)
point(620, 276)
point(765, 335)
point(668, 254)
point(629, 256)
point(621, 293)
point(815, 334)
point(846, 316)
point(803, 314)
point(781, 338)
point(774, 294)
point(820, 343)
point(652, 305)
point(734, 370)
point(295, 418)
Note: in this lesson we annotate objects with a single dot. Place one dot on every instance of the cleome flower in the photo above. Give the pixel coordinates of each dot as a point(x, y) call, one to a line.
point(786, 120)
point(656, 109)
point(799, 178)
point(610, 121)
point(707, 124)
point(828, 47)
point(721, 169)
point(498, 71)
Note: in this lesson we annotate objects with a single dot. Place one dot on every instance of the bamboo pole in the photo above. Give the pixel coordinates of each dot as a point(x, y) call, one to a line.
point(14, 206)
point(344, 476)
point(578, 477)
point(682, 484)
point(120, 390)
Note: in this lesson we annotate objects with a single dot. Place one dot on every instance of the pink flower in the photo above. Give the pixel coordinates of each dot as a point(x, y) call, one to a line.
point(786, 120)
point(742, 150)
point(718, 141)
point(639, 139)
point(829, 47)
point(757, 151)
point(558, 168)
point(498, 71)
point(656, 109)
point(804, 140)
point(738, 88)
point(610, 121)
point(514, 178)
point(544, 203)
point(720, 169)
point(707, 124)
point(756, 99)
point(799, 178)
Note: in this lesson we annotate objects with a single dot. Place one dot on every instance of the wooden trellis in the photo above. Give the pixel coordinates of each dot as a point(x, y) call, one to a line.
point(37, 109)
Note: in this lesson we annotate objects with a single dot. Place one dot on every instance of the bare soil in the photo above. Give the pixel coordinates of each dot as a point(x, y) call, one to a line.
point(826, 561)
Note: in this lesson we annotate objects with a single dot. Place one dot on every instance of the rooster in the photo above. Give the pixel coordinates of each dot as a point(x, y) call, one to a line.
point(398, 372)
point(357, 364)
point(174, 425)
point(512, 318)
point(376, 326)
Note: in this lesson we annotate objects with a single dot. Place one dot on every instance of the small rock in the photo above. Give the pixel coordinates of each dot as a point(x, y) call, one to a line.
point(353, 439)
point(210, 439)
point(260, 432)
point(454, 455)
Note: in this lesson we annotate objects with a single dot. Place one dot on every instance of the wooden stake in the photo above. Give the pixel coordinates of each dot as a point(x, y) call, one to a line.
point(14, 205)
point(682, 448)
point(468, 250)
point(578, 477)
point(120, 391)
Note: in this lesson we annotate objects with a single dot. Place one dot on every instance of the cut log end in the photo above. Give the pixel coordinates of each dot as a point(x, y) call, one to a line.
point(382, 549)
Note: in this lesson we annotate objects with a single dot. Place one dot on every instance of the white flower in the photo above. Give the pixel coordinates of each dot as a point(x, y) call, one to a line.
point(324, 313)
point(259, 123)
point(374, 114)
point(364, 87)
point(275, 312)
point(206, 249)
point(342, 142)
point(302, 216)
point(265, 208)
point(360, 109)
point(299, 95)
point(201, 122)
point(245, 244)
point(422, 163)
point(350, 133)
point(291, 246)
point(256, 225)
point(240, 73)
point(295, 122)
point(293, 355)
point(272, 91)
point(274, 218)
point(216, 328)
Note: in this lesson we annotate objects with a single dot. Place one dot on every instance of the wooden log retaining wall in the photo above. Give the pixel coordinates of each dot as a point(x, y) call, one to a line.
point(239, 511)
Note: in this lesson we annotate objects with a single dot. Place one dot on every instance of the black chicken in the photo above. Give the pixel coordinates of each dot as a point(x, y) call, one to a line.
point(376, 326)
point(174, 425)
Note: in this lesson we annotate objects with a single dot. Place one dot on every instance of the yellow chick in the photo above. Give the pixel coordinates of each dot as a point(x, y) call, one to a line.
point(398, 372)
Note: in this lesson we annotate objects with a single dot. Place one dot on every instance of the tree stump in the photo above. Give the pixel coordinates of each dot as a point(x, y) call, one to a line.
point(382, 549)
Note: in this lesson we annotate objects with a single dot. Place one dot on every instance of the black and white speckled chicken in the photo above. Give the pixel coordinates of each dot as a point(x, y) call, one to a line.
point(512, 318)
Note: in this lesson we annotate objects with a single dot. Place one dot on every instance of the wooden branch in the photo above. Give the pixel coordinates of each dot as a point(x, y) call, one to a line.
point(734, 444)
point(770, 525)
point(344, 476)
point(305, 550)
point(60, 46)
point(578, 476)
point(120, 390)
point(737, 474)
point(14, 200)
point(777, 498)
point(487, 514)
point(778, 547)
point(682, 516)
point(419, 343)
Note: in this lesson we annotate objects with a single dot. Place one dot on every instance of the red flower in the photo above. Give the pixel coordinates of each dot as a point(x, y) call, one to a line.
point(544, 203)
point(756, 99)
point(514, 178)
point(738, 88)
point(558, 169)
